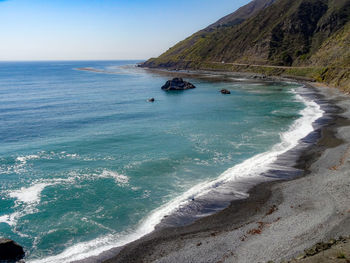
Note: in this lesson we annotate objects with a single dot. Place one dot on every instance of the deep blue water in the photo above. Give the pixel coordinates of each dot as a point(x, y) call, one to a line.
point(85, 158)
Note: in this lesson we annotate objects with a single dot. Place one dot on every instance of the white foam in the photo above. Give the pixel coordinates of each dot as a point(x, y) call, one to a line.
point(47, 156)
point(5, 219)
point(11, 219)
point(250, 168)
point(27, 198)
point(20, 163)
point(30, 194)
point(23, 159)
point(120, 179)
point(240, 79)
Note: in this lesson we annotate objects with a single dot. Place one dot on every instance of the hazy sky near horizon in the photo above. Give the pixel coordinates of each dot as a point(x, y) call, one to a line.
point(102, 29)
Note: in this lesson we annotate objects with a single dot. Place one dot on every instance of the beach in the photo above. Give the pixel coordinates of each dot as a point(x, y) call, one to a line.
point(278, 221)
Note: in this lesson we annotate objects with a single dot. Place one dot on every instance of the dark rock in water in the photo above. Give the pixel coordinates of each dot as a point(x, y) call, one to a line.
point(225, 91)
point(177, 84)
point(10, 251)
point(259, 77)
point(151, 100)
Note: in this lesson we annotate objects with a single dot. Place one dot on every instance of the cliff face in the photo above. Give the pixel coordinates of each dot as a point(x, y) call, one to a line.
point(205, 43)
point(298, 33)
point(241, 14)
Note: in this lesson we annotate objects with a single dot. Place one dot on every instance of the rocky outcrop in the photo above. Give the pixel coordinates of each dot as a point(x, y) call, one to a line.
point(177, 84)
point(10, 251)
point(225, 91)
point(335, 250)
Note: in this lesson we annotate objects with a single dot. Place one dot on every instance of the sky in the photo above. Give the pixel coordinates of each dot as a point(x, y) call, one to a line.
point(101, 29)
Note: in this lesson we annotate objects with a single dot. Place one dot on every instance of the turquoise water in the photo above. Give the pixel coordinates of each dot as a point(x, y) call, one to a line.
point(85, 159)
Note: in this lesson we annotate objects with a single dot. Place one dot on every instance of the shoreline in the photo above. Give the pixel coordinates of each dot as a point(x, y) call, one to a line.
point(263, 201)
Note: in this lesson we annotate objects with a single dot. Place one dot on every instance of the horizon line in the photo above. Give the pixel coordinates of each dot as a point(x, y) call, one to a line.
point(71, 60)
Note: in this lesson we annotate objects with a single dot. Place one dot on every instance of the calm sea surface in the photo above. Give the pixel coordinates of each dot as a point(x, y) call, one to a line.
point(85, 159)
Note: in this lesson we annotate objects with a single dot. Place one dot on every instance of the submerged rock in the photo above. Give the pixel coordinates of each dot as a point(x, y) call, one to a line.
point(177, 84)
point(10, 251)
point(225, 91)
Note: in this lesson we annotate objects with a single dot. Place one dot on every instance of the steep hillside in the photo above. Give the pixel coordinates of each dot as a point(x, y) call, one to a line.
point(297, 33)
point(335, 51)
point(334, 56)
point(241, 14)
point(195, 46)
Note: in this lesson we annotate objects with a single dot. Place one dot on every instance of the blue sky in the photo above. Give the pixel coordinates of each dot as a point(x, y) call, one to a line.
point(102, 29)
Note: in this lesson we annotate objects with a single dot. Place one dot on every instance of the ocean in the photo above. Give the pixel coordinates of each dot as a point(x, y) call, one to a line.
point(87, 164)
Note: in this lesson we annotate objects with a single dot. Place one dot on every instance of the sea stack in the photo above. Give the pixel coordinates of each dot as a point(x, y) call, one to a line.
point(177, 84)
point(10, 251)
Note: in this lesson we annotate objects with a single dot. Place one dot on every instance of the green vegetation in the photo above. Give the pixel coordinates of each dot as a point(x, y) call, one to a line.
point(310, 36)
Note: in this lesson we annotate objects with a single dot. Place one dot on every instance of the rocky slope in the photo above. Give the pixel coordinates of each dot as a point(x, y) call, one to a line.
point(333, 251)
point(240, 15)
point(311, 35)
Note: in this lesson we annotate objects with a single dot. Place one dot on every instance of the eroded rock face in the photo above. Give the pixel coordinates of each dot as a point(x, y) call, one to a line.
point(177, 84)
point(10, 251)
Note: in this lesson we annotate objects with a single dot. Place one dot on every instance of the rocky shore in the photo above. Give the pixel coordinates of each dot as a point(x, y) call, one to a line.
point(333, 251)
point(10, 251)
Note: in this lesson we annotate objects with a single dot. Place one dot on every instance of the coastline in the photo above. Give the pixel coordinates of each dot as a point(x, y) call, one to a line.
point(225, 235)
